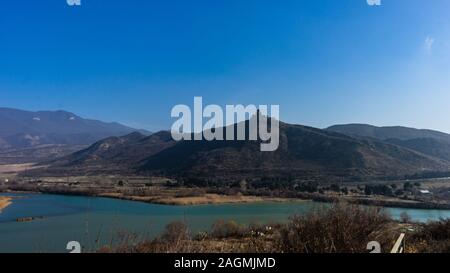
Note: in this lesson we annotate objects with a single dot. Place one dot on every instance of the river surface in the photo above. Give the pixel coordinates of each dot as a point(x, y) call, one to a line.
point(94, 221)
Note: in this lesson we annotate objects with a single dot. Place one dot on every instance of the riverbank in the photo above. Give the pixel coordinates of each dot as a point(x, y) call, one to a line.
point(212, 228)
point(159, 190)
point(4, 202)
point(307, 233)
point(382, 201)
point(190, 197)
point(205, 199)
point(181, 198)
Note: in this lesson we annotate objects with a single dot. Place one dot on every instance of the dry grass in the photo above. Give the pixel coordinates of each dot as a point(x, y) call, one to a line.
point(433, 237)
point(197, 198)
point(342, 228)
point(215, 199)
point(4, 202)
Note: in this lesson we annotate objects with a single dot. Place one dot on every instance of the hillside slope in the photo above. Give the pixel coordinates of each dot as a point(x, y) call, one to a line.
point(304, 153)
point(429, 142)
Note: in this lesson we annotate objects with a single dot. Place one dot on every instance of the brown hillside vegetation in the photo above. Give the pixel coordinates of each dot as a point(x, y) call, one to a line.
point(304, 153)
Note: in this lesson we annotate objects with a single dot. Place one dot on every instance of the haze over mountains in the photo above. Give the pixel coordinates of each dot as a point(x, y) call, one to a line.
point(46, 132)
point(305, 153)
point(429, 142)
point(67, 144)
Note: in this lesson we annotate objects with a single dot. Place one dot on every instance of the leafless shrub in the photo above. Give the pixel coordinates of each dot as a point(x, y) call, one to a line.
point(433, 237)
point(227, 229)
point(342, 228)
point(405, 218)
point(175, 232)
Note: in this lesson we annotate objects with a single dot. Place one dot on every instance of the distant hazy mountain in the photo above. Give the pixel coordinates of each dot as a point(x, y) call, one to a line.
point(383, 133)
point(429, 142)
point(304, 153)
point(24, 129)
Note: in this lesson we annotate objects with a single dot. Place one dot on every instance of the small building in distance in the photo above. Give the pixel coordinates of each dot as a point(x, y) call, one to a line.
point(424, 192)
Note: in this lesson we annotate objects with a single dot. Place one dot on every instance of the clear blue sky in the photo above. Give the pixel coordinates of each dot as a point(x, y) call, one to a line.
point(323, 61)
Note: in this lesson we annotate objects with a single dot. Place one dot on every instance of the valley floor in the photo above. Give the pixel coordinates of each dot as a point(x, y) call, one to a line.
point(13, 169)
point(160, 190)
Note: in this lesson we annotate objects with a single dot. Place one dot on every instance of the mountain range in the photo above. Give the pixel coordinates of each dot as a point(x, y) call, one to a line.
point(38, 134)
point(306, 153)
point(428, 142)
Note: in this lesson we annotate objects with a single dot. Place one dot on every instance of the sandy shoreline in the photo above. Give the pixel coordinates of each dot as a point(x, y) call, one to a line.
point(180, 198)
point(198, 200)
point(4, 202)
